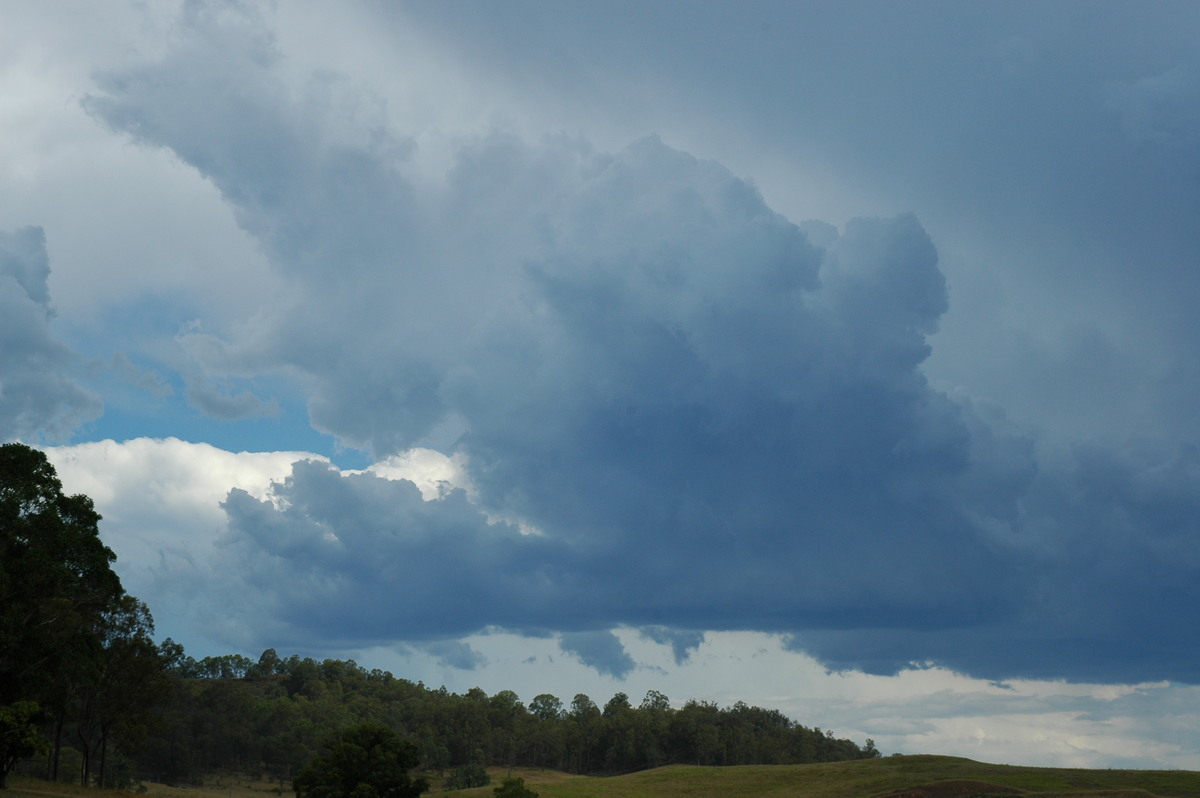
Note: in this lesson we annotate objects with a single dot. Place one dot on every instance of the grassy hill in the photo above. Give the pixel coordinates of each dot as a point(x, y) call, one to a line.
point(893, 777)
point(890, 776)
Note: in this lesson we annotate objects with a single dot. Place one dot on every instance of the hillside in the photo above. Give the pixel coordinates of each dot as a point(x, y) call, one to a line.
point(890, 777)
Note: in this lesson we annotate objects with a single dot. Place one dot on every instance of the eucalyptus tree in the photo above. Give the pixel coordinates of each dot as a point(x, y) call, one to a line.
point(56, 581)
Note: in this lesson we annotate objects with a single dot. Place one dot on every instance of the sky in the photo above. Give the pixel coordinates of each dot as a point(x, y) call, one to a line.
point(839, 358)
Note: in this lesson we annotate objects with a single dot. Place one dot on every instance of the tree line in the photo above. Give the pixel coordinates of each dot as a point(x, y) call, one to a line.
point(234, 714)
point(86, 693)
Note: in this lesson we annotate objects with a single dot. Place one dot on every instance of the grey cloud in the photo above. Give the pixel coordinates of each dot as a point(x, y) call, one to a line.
point(682, 643)
point(39, 397)
point(1160, 110)
point(217, 403)
point(359, 558)
point(1052, 157)
point(715, 419)
point(455, 654)
point(600, 650)
point(120, 366)
point(23, 258)
point(1111, 539)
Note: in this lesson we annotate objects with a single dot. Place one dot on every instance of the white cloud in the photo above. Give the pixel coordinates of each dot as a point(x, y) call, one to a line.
point(431, 471)
point(123, 223)
point(160, 500)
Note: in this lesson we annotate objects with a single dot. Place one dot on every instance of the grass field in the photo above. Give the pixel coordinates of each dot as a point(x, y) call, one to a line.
point(898, 776)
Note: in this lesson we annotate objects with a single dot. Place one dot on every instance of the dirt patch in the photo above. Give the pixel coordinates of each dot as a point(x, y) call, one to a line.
point(958, 788)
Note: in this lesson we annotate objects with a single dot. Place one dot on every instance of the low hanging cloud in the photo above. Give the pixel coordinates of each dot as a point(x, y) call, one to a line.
point(683, 643)
point(39, 396)
point(600, 650)
point(709, 418)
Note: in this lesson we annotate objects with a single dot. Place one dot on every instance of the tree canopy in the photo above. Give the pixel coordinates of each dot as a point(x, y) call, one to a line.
point(271, 718)
point(56, 575)
point(364, 761)
point(514, 787)
point(75, 650)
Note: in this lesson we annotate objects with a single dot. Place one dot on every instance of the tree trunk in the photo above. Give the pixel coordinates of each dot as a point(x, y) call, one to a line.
point(103, 757)
point(85, 767)
point(58, 732)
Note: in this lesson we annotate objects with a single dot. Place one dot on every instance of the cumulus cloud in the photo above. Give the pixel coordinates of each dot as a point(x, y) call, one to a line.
point(39, 397)
point(325, 543)
point(674, 408)
point(160, 500)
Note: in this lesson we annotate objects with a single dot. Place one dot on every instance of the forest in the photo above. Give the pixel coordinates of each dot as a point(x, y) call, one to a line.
point(87, 695)
point(231, 713)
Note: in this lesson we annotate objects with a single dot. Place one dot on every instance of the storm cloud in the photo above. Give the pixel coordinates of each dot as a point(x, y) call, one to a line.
point(675, 409)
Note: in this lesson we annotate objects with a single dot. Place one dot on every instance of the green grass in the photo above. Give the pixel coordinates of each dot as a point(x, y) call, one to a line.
point(863, 779)
point(877, 777)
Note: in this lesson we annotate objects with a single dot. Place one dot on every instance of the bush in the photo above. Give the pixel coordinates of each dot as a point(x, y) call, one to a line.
point(468, 776)
point(364, 761)
point(514, 788)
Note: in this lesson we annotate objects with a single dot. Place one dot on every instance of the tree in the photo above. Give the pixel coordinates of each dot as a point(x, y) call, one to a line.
point(56, 575)
point(513, 787)
point(582, 733)
point(468, 776)
point(546, 707)
point(19, 736)
point(56, 581)
point(129, 682)
point(269, 664)
point(505, 711)
point(616, 705)
point(655, 702)
point(365, 761)
point(542, 738)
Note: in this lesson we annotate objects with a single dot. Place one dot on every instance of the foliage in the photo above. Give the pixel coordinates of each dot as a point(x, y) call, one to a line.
point(514, 787)
point(128, 682)
point(72, 642)
point(468, 776)
point(364, 761)
point(55, 575)
point(271, 720)
point(19, 735)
